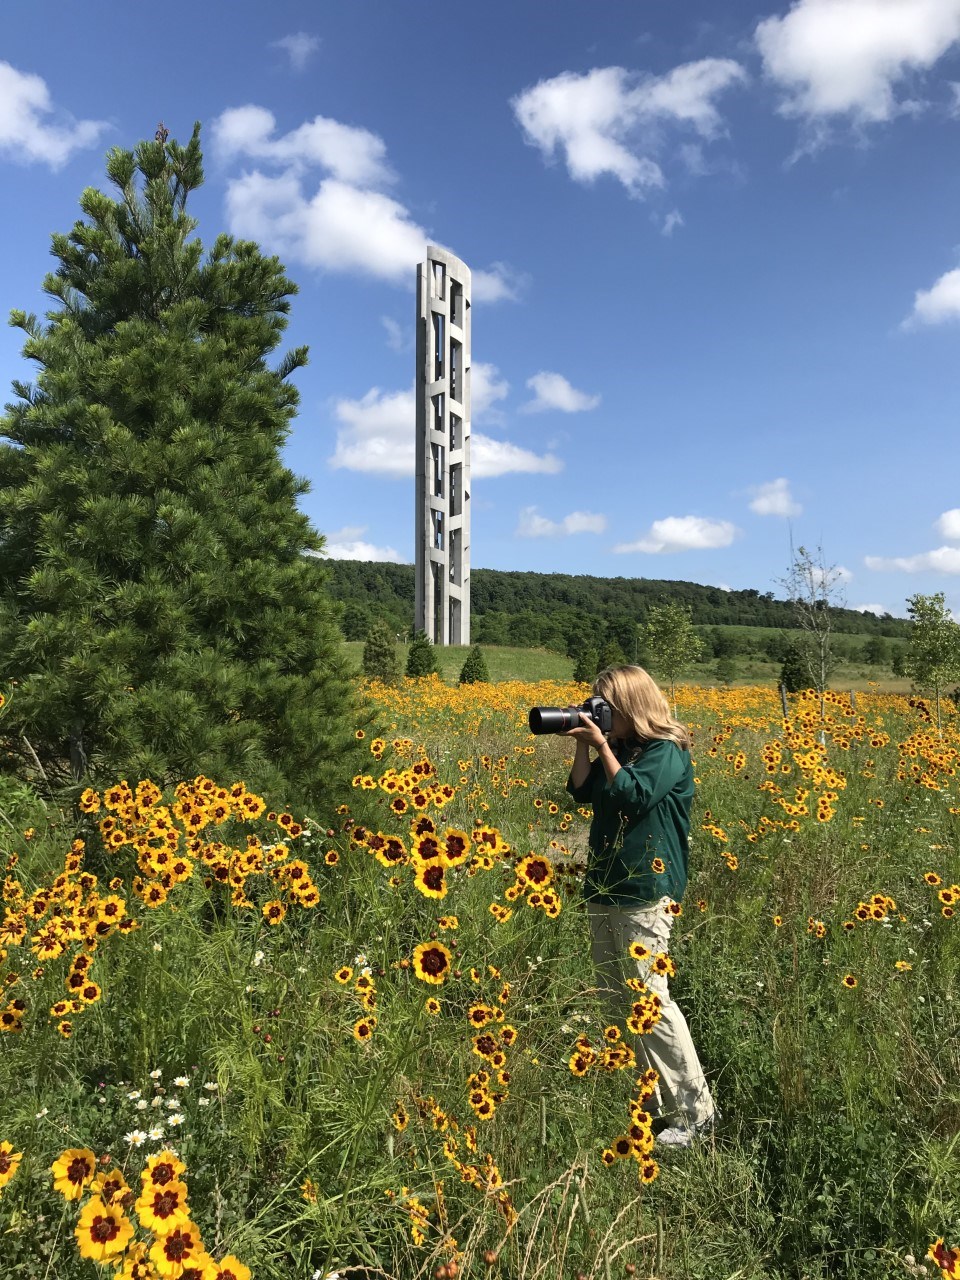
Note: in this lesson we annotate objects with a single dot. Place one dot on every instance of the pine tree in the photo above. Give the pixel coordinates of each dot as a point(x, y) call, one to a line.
point(611, 655)
point(474, 670)
point(156, 607)
point(586, 666)
point(421, 657)
point(795, 672)
point(380, 660)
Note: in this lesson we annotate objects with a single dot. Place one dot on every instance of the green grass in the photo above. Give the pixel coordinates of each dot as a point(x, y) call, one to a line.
point(506, 662)
point(837, 1151)
point(503, 662)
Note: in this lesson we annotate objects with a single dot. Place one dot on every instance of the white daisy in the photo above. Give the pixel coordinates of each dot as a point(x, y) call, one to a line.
point(181, 1082)
point(136, 1138)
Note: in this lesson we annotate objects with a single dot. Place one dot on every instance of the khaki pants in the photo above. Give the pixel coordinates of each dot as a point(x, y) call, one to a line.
point(683, 1095)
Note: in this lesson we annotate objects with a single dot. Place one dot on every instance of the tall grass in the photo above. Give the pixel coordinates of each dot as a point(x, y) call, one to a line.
point(837, 1153)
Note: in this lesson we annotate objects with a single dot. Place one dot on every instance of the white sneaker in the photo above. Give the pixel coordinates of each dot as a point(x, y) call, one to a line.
point(680, 1135)
point(675, 1136)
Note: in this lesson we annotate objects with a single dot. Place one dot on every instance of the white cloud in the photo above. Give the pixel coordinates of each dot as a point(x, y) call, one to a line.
point(31, 130)
point(553, 391)
point(339, 228)
point(829, 576)
point(533, 525)
point(347, 544)
point(938, 303)
point(347, 224)
point(398, 338)
point(682, 533)
point(673, 220)
point(497, 283)
point(948, 525)
point(376, 436)
point(941, 560)
point(774, 499)
point(844, 57)
point(498, 458)
point(349, 153)
point(878, 609)
point(609, 120)
point(486, 388)
point(299, 48)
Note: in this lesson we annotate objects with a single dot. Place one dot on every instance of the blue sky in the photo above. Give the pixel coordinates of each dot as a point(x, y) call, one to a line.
point(716, 257)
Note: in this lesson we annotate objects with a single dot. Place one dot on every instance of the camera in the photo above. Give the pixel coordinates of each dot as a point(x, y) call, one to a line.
point(559, 719)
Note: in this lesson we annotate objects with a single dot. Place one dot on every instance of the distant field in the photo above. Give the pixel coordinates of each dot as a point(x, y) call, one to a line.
point(508, 663)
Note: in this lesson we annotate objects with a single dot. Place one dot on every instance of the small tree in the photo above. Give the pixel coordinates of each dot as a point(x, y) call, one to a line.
point(726, 670)
point(673, 642)
point(421, 657)
point(586, 666)
point(933, 658)
point(474, 670)
point(795, 672)
point(611, 655)
point(814, 588)
point(380, 660)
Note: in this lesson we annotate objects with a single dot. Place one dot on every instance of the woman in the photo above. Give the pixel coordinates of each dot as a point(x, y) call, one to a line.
point(641, 787)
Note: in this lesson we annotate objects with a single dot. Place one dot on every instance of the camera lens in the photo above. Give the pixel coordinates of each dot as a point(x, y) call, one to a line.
point(552, 719)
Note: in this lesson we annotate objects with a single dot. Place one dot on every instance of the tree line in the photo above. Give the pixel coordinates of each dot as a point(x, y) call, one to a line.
point(567, 613)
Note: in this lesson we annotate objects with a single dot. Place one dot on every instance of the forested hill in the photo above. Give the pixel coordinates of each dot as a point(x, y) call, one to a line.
point(544, 608)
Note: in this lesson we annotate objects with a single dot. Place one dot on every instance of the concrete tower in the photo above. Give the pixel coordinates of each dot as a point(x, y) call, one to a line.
point(443, 448)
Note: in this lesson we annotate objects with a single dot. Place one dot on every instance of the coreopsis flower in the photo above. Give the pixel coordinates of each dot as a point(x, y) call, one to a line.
point(534, 870)
point(9, 1162)
point(73, 1170)
point(137, 1264)
point(174, 1253)
point(274, 911)
point(229, 1268)
point(111, 1186)
point(103, 1231)
point(163, 1168)
point(430, 879)
point(431, 962)
point(161, 1209)
point(456, 847)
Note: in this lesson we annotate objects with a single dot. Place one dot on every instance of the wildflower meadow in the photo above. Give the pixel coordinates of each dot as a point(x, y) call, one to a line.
point(238, 1041)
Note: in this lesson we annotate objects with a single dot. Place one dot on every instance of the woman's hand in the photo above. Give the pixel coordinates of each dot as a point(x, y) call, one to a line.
point(588, 732)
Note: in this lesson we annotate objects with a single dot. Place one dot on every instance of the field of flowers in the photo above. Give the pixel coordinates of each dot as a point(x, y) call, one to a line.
point(238, 1041)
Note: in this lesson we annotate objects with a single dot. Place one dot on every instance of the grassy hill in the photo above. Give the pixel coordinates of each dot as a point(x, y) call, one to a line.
point(508, 662)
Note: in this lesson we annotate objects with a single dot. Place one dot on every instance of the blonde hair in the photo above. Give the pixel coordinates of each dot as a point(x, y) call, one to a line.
point(635, 694)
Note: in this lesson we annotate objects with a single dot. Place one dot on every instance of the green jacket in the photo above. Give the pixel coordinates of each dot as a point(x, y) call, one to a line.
point(642, 814)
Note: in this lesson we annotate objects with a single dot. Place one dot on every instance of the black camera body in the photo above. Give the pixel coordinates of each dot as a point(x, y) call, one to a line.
point(559, 719)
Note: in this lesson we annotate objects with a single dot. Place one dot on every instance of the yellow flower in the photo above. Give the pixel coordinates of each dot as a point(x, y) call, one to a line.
point(103, 1231)
point(162, 1209)
point(229, 1268)
point(431, 962)
point(274, 911)
point(72, 1171)
point(9, 1162)
point(174, 1253)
